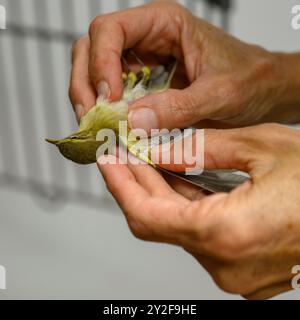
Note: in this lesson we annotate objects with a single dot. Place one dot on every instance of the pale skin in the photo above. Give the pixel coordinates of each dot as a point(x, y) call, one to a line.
point(249, 239)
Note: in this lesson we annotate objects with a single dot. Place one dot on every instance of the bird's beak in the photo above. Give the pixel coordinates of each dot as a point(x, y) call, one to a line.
point(52, 141)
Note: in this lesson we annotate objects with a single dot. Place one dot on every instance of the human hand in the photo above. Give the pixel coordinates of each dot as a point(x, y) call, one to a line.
point(225, 79)
point(248, 239)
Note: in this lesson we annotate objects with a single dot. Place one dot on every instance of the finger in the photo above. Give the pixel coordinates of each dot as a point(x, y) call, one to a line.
point(184, 188)
point(149, 178)
point(146, 175)
point(182, 154)
point(177, 108)
point(242, 149)
point(153, 111)
point(109, 36)
point(163, 219)
point(248, 149)
point(107, 43)
point(212, 124)
point(270, 291)
point(150, 218)
point(122, 183)
point(81, 91)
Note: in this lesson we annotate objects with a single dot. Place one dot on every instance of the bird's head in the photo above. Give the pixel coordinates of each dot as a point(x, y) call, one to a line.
point(80, 147)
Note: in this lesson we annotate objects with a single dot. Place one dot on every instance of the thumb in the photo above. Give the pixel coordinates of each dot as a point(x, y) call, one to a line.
point(167, 110)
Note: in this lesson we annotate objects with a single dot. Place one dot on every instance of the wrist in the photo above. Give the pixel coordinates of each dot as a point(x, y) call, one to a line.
point(287, 107)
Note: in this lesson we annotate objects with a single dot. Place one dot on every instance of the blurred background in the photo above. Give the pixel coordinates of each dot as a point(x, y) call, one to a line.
point(61, 234)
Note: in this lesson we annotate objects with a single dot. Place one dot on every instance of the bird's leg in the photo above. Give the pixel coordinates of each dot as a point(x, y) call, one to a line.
point(131, 80)
point(129, 77)
point(143, 76)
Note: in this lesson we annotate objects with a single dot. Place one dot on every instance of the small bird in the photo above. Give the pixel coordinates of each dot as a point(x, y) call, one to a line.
point(81, 147)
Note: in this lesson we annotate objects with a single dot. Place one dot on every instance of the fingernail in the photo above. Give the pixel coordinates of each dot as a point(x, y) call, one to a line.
point(101, 160)
point(78, 111)
point(106, 159)
point(103, 90)
point(143, 118)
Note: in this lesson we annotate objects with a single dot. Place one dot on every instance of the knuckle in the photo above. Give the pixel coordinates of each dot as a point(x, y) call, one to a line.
point(74, 50)
point(222, 280)
point(280, 138)
point(74, 89)
point(264, 67)
point(70, 92)
point(182, 106)
point(243, 152)
point(229, 280)
point(233, 244)
point(137, 229)
point(175, 7)
point(194, 216)
point(99, 20)
point(94, 25)
point(277, 132)
point(275, 127)
point(100, 60)
point(76, 45)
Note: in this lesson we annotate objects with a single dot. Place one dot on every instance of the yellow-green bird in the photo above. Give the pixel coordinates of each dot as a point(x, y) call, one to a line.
point(81, 147)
